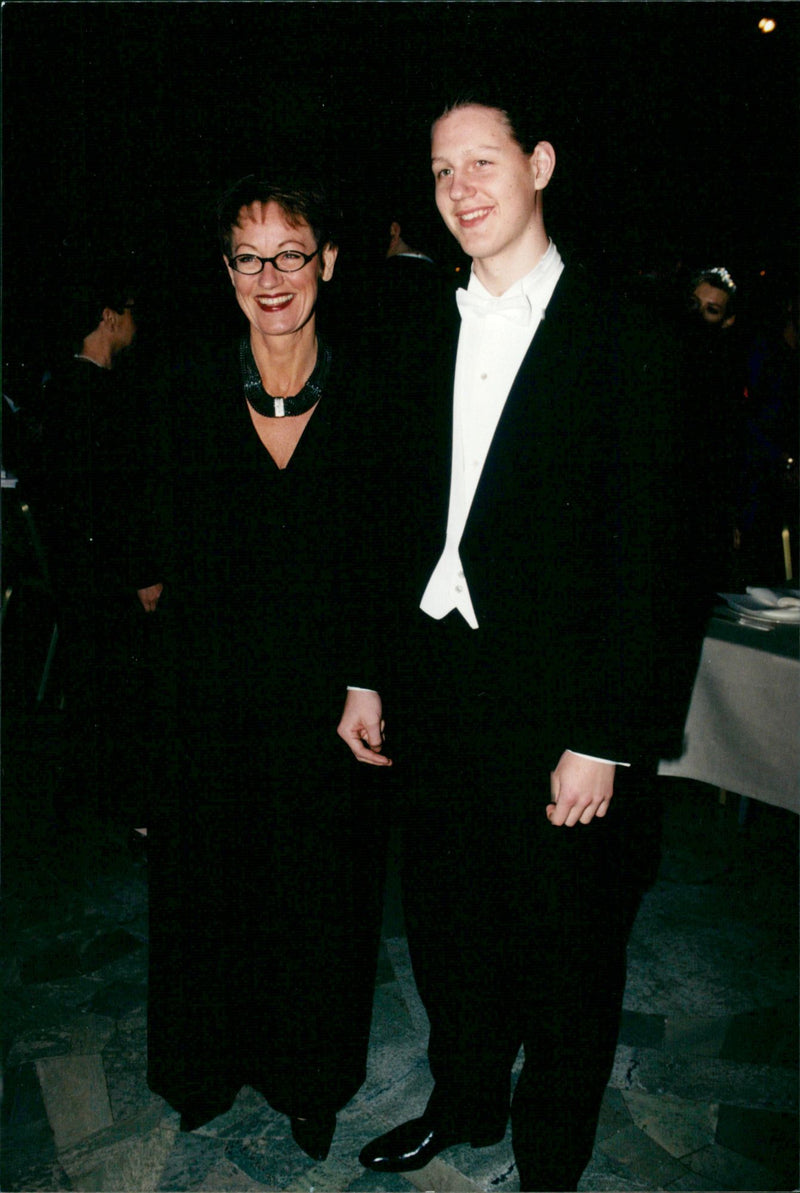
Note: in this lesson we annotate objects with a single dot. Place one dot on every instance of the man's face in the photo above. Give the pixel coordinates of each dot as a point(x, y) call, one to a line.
point(488, 189)
point(711, 305)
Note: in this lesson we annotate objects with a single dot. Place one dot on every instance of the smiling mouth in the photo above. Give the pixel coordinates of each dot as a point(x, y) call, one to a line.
point(465, 218)
point(274, 304)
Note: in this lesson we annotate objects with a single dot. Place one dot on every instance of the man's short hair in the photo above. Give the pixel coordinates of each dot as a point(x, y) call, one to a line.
point(106, 286)
point(300, 199)
point(718, 277)
point(521, 109)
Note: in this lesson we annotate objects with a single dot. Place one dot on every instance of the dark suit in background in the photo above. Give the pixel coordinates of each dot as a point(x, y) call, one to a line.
point(410, 295)
point(88, 501)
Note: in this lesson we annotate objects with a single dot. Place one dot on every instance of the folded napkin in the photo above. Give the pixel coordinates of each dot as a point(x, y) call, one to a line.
point(766, 604)
point(775, 599)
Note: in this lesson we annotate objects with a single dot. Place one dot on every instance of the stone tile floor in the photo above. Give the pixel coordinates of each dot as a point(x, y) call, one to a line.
point(703, 1093)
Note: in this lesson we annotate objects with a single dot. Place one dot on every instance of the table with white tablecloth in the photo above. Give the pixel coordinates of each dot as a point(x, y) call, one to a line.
point(743, 727)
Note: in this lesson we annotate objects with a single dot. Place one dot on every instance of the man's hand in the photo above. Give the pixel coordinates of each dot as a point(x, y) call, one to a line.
point(581, 789)
point(362, 727)
point(148, 597)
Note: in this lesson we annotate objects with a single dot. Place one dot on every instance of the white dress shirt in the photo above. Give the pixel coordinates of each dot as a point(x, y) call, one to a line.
point(495, 335)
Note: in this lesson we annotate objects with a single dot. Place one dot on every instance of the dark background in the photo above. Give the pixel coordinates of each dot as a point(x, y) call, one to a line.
point(675, 127)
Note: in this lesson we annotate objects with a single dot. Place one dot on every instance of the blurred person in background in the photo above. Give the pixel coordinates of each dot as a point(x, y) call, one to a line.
point(714, 389)
point(87, 501)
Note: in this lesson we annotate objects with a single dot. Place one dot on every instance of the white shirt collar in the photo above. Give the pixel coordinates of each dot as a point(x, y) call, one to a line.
point(536, 286)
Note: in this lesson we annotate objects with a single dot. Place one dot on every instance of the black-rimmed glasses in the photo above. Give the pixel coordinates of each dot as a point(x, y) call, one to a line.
point(289, 261)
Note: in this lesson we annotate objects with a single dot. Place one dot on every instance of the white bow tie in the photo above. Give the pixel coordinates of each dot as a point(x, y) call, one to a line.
point(516, 308)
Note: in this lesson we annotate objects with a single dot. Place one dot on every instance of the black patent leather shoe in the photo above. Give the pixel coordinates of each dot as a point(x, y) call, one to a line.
point(414, 1144)
point(314, 1134)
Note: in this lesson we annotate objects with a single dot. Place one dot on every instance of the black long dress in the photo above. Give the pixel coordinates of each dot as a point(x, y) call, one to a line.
point(266, 844)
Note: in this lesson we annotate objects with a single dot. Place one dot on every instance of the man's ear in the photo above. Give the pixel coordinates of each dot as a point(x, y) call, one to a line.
point(543, 163)
point(109, 318)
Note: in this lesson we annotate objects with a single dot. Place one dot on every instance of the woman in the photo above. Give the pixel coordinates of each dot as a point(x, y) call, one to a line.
point(267, 852)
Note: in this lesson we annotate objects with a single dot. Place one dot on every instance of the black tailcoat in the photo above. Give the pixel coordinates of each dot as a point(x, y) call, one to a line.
point(578, 550)
point(576, 554)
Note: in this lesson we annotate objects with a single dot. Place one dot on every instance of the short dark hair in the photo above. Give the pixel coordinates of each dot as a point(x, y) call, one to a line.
point(104, 286)
point(300, 199)
point(718, 277)
point(520, 109)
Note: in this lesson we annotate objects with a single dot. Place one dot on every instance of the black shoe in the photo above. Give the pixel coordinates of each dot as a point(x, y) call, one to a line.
point(413, 1144)
point(314, 1134)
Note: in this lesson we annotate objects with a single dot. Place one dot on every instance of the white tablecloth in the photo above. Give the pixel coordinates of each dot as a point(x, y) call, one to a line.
point(743, 727)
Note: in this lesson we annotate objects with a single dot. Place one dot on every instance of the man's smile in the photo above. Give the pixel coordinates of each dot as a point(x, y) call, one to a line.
point(467, 218)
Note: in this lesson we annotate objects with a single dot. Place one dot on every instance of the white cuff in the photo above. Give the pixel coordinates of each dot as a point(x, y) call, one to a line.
point(592, 758)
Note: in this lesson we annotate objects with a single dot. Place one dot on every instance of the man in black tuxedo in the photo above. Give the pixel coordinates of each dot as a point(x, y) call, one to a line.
point(540, 524)
point(91, 519)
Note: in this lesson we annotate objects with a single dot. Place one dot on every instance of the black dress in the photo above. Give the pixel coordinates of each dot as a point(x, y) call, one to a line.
point(266, 844)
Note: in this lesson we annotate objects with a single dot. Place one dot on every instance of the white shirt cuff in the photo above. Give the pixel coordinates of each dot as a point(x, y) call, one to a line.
point(592, 758)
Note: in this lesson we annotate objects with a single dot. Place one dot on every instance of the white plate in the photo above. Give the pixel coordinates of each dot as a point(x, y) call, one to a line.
point(752, 608)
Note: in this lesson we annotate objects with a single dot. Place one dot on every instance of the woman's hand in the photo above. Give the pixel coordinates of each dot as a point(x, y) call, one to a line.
point(581, 789)
point(362, 727)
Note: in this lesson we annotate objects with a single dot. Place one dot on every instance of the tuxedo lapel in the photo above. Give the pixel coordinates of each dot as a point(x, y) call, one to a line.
point(537, 406)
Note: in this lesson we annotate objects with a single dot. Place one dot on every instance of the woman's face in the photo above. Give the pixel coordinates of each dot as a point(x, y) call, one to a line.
point(275, 303)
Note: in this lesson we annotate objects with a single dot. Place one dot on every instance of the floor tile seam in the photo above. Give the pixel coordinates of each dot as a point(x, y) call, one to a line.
point(730, 1104)
point(656, 1156)
point(143, 1122)
point(763, 1106)
point(681, 1157)
point(715, 1143)
point(684, 1157)
point(667, 1049)
point(691, 1060)
point(714, 1107)
point(766, 1102)
point(108, 1160)
point(714, 1186)
point(441, 1173)
point(722, 1150)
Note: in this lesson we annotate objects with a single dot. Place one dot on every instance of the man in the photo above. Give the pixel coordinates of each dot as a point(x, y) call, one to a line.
point(716, 390)
point(88, 456)
point(409, 299)
point(411, 287)
point(398, 247)
point(713, 297)
point(535, 667)
point(91, 491)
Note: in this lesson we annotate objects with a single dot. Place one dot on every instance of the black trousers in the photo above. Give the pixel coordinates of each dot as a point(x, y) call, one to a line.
point(517, 929)
point(105, 665)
